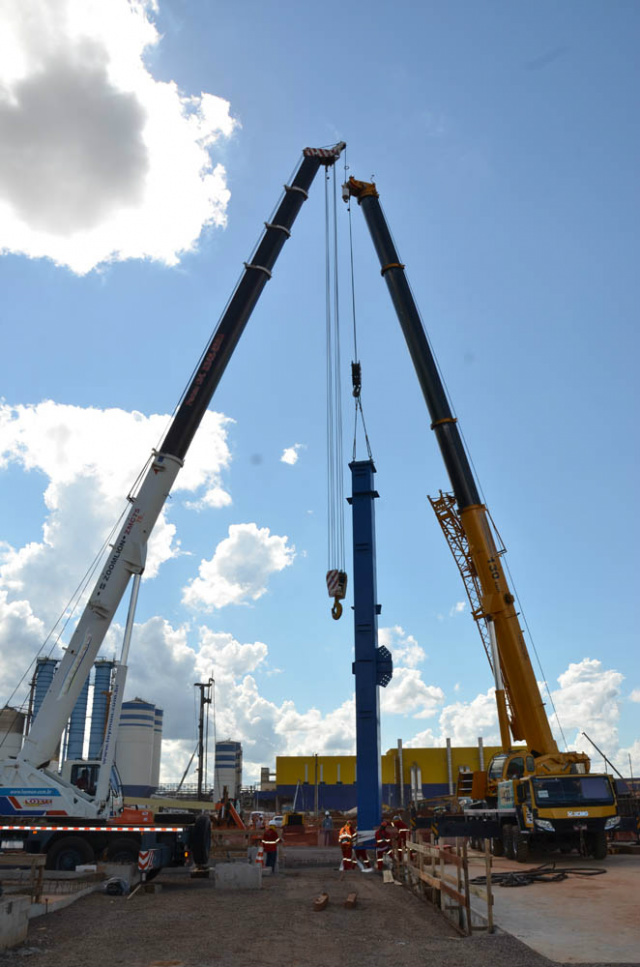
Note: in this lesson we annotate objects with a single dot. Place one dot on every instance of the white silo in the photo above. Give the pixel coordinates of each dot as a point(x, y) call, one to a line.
point(157, 748)
point(11, 730)
point(134, 747)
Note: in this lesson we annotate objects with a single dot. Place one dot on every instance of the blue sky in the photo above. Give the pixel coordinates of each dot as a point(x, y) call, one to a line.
point(143, 147)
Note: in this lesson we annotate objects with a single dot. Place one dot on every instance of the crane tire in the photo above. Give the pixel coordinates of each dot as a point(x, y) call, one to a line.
point(598, 845)
point(507, 840)
point(124, 850)
point(67, 853)
point(520, 846)
point(496, 846)
point(201, 840)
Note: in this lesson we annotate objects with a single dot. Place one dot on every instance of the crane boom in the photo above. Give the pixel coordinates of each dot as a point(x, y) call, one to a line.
point(129, 549)
point(528, 720)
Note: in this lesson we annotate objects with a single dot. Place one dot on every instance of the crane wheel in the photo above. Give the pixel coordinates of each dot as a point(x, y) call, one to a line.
point(124, 850)
point(520, 846)
point(201, 840)
point(67, 853)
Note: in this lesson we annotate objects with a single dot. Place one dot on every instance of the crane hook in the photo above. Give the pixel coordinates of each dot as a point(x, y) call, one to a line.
point(337, 588)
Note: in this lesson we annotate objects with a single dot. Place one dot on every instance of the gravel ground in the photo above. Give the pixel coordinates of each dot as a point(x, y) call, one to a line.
point(191, 923)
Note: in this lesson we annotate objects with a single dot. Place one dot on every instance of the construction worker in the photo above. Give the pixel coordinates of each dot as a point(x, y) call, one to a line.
point(326, 829)
point(402, 833)
point(362, 859)
point(383, 843)
point(270, 840)
point(346, 839)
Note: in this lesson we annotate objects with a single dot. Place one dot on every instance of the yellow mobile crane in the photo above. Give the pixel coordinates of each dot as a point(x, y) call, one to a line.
point(533, 795)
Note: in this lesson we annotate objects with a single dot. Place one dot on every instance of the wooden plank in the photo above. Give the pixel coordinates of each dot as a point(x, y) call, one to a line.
point(479, 891)
point(320, 902)
point(429, 879)
point(350, 902)
point(449, 891)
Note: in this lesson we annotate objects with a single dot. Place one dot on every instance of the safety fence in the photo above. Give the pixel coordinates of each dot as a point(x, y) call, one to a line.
point(440, 874)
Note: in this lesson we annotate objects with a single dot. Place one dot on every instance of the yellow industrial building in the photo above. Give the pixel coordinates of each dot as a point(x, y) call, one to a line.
point(329, 782)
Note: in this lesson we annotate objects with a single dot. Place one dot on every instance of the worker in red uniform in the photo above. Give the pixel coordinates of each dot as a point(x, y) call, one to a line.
point(270, 840)
point(383, 842)
point(362, 859)
point(402, 833)
point(346, 839)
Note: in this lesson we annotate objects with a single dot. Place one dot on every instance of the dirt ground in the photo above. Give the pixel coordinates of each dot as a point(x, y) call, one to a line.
point(191, 923)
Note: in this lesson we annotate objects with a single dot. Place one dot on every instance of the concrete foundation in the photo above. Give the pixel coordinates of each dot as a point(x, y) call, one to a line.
point(238, 876)
point(14, 921)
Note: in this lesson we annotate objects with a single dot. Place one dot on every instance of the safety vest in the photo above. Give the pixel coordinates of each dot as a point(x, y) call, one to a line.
point(346, 835)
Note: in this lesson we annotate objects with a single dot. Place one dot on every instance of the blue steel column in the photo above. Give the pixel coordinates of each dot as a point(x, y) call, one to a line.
point(372, 666)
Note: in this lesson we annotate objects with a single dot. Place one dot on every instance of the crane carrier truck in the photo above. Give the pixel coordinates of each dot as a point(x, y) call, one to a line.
point(531, 795)
point(41, 808)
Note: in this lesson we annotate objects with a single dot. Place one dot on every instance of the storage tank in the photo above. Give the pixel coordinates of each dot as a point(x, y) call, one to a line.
point(99, 709)
point(157, 748)
point(77, 723)
point(135, 747)
point(45, 670)
point(11, 730)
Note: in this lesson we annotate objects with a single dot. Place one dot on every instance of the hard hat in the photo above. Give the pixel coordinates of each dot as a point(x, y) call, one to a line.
point(396, 817)
point(327, 813)
point(272, 823)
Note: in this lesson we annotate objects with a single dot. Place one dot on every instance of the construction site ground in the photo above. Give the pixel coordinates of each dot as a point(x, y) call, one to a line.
point(189, 922)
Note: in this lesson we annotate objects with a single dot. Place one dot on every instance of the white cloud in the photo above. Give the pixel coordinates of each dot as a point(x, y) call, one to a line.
point(589, 699)
point(98, 160)
point(635, 695)
point(167, 660)
point(463, 722)
point(407, 694)
point(240, 568)
point(290, 454)
point(458, 608)
point(87, 460)
point(403, 647)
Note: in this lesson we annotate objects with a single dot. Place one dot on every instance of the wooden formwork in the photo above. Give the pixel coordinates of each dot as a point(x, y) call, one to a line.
point(440, 873)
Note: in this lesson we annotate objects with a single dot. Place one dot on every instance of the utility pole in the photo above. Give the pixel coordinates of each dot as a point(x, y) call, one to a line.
point(205, 699)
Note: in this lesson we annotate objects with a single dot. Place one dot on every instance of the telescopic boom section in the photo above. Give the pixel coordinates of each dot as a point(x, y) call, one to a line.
point(528, 719)
point(129, 549)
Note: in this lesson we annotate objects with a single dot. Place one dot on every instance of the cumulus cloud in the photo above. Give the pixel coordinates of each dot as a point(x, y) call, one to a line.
point(290, 454)
point(167, 660)
point(240, 568)
point(99, 161)
point(87, 460)
point(589, 699)
point(404, 647)
point(408, 694)
point(635, 695)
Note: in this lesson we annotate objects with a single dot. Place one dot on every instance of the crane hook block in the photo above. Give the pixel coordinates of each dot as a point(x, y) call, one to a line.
point(337, 588)
point(356, 379)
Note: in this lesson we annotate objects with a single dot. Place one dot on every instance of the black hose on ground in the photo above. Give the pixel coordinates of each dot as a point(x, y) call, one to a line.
point(539, 874)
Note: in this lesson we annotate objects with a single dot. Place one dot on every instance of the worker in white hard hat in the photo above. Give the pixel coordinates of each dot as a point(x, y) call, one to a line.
point(270, 840)
point(326, 828)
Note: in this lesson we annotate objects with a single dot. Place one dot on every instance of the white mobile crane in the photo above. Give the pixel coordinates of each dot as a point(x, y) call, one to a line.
point(48, 813)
